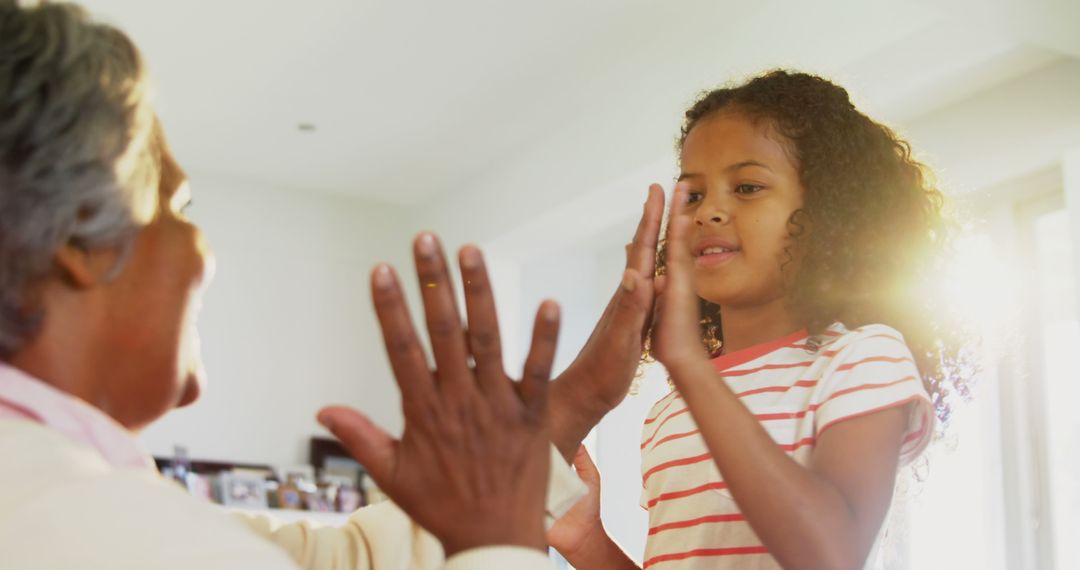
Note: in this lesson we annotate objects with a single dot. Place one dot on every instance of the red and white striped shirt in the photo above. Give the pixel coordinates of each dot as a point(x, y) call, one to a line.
point(796, 393)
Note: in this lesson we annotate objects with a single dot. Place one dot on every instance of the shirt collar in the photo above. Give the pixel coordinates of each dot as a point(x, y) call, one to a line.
point(745, 355)
point(25, 397)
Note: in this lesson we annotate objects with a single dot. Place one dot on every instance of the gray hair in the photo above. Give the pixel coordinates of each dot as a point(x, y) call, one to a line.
point(78, 155)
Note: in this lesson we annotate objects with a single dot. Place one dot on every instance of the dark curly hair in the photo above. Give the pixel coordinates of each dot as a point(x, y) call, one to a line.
point(870, 237)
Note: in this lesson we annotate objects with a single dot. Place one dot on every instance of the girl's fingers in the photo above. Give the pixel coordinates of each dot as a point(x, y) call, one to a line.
point(660, 284)
point(680, 258)
point(677, 303)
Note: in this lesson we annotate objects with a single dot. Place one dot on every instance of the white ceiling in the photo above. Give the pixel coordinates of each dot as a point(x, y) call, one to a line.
point(414, 100)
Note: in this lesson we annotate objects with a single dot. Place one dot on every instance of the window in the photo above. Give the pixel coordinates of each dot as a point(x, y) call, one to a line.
point(1002, 491)
point(1060, 349)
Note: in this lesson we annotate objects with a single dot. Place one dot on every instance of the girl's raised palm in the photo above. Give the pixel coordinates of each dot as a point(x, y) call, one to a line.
point(676, 330)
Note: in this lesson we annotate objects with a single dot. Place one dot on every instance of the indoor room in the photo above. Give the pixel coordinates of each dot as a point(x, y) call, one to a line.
point(320, 137)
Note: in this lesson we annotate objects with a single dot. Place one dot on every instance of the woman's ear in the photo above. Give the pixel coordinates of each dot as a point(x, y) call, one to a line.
point(84, 268)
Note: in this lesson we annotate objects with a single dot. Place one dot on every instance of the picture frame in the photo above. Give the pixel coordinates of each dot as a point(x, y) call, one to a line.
point(242, 490)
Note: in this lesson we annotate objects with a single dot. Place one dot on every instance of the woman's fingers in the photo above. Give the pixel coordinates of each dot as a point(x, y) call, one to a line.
point(468, 468)
point(483, 331)
point(630, 307)
point(680, 259)
point(366, 442)
point(402, 345)
point(537, 373)
point(448, 343)
point(586, 469)
point(641, 255)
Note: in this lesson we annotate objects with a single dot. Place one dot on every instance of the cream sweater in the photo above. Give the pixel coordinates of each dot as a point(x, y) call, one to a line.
point(62, 506)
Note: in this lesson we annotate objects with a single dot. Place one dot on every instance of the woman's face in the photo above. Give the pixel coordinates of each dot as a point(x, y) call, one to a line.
point(153, 307)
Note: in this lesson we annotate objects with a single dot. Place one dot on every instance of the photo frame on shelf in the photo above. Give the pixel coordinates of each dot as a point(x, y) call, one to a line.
point(300, 472)
point(242, 490)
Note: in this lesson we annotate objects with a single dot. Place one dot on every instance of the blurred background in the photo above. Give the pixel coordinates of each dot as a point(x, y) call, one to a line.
point(321, 135)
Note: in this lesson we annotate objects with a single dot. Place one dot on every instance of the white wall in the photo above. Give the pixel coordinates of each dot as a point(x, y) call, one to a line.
point(287, 325)
point(1005, 132)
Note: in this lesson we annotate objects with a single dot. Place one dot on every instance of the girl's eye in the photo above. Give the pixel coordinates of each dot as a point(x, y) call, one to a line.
point(748, 189)
point(694, 197)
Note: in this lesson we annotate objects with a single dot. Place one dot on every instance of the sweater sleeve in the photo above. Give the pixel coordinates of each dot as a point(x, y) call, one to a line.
point(383, 537)
point(500, 557)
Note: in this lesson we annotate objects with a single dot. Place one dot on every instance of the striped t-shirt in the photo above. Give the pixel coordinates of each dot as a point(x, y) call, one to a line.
point(796, 392)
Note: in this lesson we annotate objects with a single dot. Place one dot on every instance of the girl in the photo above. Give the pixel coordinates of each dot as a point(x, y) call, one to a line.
point(808, 234)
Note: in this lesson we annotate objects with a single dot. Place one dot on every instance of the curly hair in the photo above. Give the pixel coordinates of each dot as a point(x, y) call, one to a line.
point(871, 235)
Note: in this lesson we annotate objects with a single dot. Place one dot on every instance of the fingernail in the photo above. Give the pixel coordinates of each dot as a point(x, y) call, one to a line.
point(384, 279)
point(326, 422)
point(550, 312)
point(470, 258)
point(425, 245)
point(628, 282)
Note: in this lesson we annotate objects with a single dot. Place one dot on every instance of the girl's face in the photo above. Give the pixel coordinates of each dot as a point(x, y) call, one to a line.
point(743, 190)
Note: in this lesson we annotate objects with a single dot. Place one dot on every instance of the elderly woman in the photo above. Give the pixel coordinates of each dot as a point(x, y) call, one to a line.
point(100, 280)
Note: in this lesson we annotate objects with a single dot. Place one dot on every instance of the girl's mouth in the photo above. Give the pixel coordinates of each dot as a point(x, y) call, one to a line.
point(715, 255)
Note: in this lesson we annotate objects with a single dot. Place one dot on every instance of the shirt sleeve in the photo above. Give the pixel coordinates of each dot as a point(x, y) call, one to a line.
point(383, 537)
point(514, 557)
point(871, 372)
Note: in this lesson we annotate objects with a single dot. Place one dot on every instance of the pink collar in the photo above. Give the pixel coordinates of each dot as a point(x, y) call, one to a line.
point(23, 397)
point(749, 353)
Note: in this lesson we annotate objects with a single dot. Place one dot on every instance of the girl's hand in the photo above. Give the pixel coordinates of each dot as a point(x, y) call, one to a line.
point(677, 330)
point(582, 522)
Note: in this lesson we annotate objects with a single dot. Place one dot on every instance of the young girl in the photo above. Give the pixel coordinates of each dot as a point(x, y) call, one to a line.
point(800, 244)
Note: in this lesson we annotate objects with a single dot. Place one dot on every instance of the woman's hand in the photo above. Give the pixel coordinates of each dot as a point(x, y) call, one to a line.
point(582, 522)
point(600, 375)
point(472, 464)
point(579, 535)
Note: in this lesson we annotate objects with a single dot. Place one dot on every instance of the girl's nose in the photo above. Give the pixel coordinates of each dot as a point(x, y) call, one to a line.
point(711, 216)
